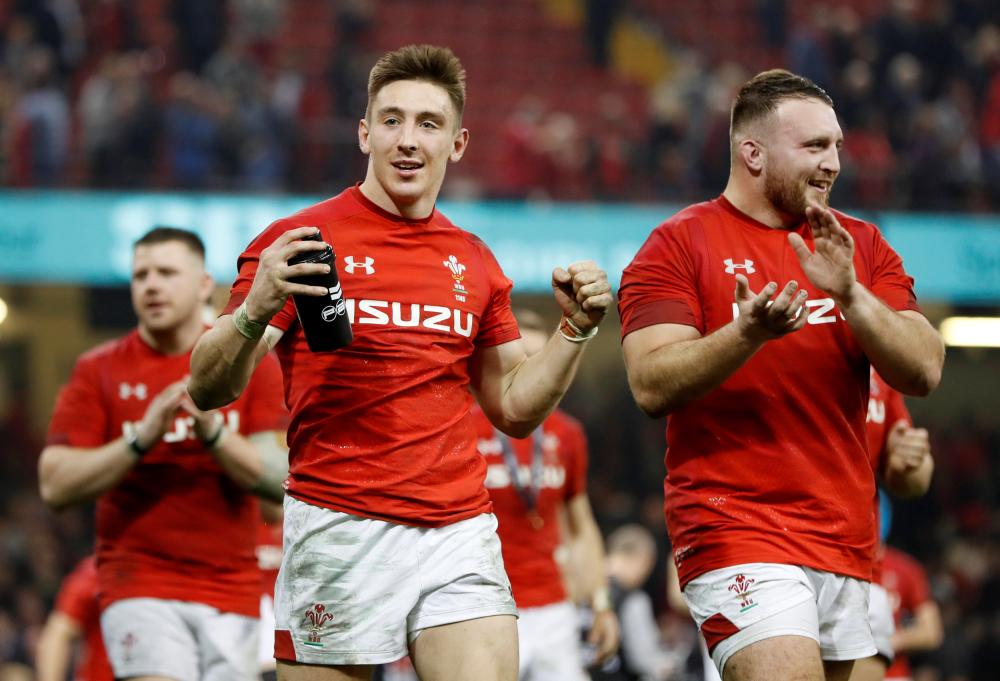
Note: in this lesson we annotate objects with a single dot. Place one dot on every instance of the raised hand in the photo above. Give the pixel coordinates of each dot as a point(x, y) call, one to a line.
point(831, 266)
point(583, 292)
point(271, 285)
point(160, 414)
point(762, 318)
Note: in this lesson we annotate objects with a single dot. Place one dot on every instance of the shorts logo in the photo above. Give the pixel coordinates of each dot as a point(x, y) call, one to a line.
point(741, 587)
point(457, 270)
point(731, 266)
point(318, 617)
point(368, 264)
point(128, 642)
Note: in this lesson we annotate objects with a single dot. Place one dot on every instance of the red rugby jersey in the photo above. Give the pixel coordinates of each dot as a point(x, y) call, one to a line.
point(176, 526)
point(529, 549)
point(906, 581)
point(77, 600)
point(381, 428)
point(885, 408)
point(772, 466)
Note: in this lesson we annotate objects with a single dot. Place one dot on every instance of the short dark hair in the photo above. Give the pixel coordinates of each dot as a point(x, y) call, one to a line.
point(436, 65)
point(762, 94)
point(159, 235)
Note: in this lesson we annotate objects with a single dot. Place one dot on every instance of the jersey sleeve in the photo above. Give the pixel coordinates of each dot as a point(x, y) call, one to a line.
point(81, 415)
point(265, 406)
point(659, 285)
point(497, 325)
point(578, 460)
point(890, 282)
point(246, 267)
point(77, 598)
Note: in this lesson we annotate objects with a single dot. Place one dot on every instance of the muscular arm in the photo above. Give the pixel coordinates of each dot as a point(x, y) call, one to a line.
point(258, 464)
point(671, 365)
point(923, 633)
point(224, 358)
point(902, 346)
point(55, 645)
point(223, 362)
point(517, 392)
point(74, 475)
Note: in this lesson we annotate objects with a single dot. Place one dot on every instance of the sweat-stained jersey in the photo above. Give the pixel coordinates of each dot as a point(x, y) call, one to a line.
point(77, 600)
point(529, 539)
point(772, 465)
point(176, 526)
point(906, 582)
point(381, 428)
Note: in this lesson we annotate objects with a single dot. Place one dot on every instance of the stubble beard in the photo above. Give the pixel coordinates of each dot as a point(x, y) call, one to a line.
point(788, 195)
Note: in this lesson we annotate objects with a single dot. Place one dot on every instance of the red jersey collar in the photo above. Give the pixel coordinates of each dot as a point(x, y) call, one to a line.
point(381, 212)
point(727, 206)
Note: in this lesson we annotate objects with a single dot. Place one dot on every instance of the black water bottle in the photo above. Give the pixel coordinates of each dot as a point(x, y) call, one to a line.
point(324, 319)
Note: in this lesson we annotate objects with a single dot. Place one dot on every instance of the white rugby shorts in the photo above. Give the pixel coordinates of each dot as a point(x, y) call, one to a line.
point(548, 639)
point(737, 606)
point(883, 626)
point(179, 640)
point(355, 591)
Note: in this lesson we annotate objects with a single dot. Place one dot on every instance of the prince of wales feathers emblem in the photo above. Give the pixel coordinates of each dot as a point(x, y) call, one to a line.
point(318, 617)
point(741, 587)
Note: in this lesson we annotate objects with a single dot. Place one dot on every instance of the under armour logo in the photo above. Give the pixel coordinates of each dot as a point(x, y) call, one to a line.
point(731, 267)
point(368, 265)
point(137, 391)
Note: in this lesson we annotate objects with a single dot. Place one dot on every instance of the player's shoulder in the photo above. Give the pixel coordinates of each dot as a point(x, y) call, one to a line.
point(108, 351)
point(693, 217)
point(342, 206)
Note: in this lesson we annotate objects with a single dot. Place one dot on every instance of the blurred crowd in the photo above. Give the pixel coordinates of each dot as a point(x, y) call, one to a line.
point(252, 95)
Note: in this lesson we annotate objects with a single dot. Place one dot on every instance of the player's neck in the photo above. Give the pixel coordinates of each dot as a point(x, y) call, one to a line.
point(375, 192)
point(175, 341)
point(751, 201)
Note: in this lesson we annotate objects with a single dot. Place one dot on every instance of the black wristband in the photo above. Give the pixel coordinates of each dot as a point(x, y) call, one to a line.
point(132, 440)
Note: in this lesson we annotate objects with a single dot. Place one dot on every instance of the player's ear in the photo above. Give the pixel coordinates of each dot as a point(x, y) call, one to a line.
point(751, 155)
point(363, 137)
point(459, 145)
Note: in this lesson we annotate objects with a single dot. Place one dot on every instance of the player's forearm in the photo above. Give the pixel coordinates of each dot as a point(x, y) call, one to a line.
point(73, 475)
point(674, 375)
point(537, 385)
point(257, 464)
point(221, 365)
point(55, 647)
point(925, 632)
point(591, 568)
point(910, 484)
point(908, 353)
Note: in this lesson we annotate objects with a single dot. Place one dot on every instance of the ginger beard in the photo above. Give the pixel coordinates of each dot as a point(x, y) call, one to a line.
point(790, 195)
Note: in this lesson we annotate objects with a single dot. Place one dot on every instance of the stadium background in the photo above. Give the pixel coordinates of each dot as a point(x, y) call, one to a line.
point(591, 121)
